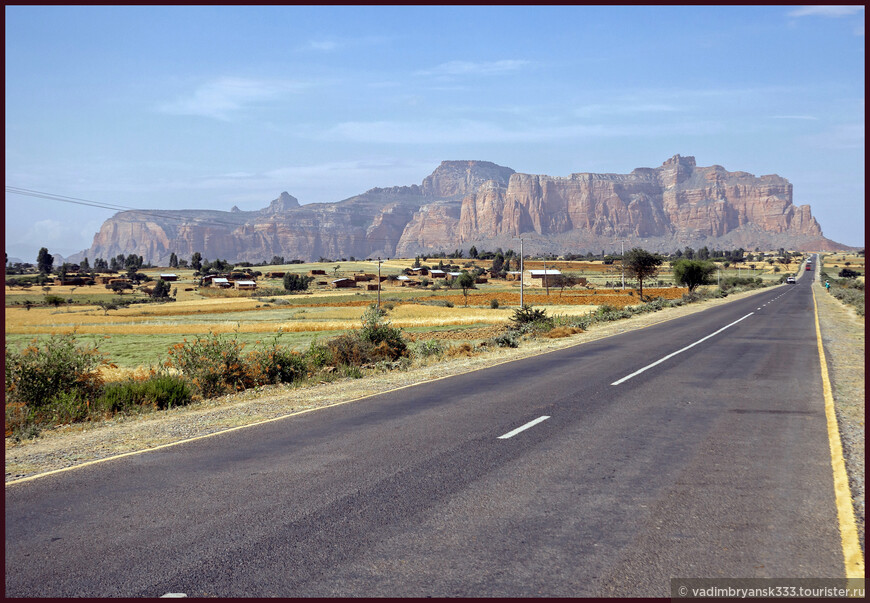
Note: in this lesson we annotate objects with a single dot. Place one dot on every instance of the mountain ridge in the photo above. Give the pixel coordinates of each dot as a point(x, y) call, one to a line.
point(465, 203)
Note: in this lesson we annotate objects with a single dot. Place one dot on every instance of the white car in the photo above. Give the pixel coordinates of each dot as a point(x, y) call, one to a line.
point(790, 280)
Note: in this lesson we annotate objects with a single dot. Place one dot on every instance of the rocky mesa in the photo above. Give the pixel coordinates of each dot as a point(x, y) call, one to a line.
point(465, 203)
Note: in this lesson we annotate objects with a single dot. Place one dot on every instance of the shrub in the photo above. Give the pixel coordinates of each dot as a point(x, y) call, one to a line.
point(318, 355)
point(528, 314)
point(558, 332)
point(463, 349)
point(276, 364)
point(506, 340)
point(160, 391)
point(36, 376)
point(379, 333)
point(493, 304)
point(213, 365)
point(432, 347)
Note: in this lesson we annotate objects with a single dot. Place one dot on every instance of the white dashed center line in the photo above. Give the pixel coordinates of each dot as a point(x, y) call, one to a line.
point(511, 434)
point(649, 366)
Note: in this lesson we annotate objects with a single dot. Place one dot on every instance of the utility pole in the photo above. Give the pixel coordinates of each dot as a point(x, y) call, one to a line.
point(379, 282)
point(522, 274)
point(622, 263)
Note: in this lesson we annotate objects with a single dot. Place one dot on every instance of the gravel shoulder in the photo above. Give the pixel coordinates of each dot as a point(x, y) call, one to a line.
point(843, 339)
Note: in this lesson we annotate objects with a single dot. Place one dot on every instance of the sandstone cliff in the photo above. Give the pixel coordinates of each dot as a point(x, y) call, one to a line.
point(464, 203)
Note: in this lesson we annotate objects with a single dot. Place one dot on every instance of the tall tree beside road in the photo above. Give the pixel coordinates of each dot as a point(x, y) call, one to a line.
point(692, 273)
point(641, 264)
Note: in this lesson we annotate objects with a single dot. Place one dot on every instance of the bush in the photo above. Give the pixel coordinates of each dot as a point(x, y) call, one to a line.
point(318, 355)
point(432, 347)
point(296, 282)
point(379, 333)
point(493, 304)
point(161, 391)
point(528, 314)
point(213, 365)
point(506, 340)
point(36, 376)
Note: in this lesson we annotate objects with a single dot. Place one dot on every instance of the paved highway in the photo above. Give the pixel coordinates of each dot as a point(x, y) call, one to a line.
point(550, 476)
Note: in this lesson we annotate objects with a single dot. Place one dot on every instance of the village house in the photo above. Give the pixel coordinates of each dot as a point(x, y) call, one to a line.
point(437, 274)
point(419, 271)
point(344, 283)
point(275, 274)
point(540, 278)
point(246, 285)
point(169, 277)
point(221, 282)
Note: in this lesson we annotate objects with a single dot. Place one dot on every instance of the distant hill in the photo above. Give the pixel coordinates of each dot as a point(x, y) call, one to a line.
point(465, 203)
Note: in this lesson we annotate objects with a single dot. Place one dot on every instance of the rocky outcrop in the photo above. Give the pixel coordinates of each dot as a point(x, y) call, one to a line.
point(464, 203)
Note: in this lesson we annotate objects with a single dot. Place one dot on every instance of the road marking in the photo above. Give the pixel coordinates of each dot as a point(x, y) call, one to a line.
point(649, 366)
point(852, 556)
point(511, 434)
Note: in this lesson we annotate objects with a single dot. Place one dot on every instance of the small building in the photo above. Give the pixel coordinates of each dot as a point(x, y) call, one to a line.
point(402, 277)
point(246, 285)
point(221, 282)
point(480, 280)
point(453, 275)
point(372, 287)
point(318, 272)
point(344, 283)
point(421, 271)
point(361, 278)
point(437, 274)
point(513, 276)
point(540, 278)
point(169, 277)
point(275, 274)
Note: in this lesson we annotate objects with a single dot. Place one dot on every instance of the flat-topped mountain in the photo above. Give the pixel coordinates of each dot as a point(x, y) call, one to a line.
point(465, 203)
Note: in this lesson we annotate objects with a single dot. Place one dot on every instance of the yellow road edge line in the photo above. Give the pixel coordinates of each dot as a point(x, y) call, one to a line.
point(852, 557)
point(307, 410)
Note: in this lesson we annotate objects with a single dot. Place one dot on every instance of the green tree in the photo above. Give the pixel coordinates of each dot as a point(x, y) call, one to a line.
point(84, 266)
point(693, 273)
point(44, 261)
point(472, 253)
point(498, 262)
point(296, 282)
point(173, 260)
point(641, 264)
point(196, 260)
point(160, 290)
point(466, 281)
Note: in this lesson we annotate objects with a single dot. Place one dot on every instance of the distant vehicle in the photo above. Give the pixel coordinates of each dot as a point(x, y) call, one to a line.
point(809, 266)
point(790, 280)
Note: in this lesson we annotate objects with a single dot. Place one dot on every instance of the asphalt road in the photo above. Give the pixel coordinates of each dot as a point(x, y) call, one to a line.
point(711, 463)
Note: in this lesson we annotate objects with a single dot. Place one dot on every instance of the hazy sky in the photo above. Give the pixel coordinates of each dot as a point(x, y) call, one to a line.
point(210, 107)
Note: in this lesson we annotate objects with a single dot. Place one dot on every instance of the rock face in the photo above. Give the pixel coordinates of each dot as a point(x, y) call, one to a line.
point(465, 203)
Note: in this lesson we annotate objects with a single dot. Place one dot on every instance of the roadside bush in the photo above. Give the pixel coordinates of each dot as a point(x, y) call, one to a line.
point(36, 376)
point(387, 339)
point(276, 364)
point(318, 356)
point(213, 366)
point(425, 349)
point(506, 340)
point(161, 392)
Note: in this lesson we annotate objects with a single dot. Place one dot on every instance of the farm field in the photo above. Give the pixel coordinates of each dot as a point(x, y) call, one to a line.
point(140, 335)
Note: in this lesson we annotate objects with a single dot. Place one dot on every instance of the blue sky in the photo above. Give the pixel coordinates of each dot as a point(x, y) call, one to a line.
point(210, 107)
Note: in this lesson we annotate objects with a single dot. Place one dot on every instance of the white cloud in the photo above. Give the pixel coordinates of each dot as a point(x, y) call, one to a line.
point(471, 131)
point(826, 11)
point(222, 98)
point(460, 68)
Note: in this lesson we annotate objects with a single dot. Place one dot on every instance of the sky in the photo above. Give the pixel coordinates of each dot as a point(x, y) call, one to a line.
point(214, 107)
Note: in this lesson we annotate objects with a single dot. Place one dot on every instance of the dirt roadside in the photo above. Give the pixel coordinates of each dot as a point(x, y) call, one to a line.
point(843, 339)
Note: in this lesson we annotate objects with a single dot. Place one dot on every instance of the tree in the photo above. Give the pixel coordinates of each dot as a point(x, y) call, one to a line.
point(173, 260)
point(161, 289)
point(693, 273)
point(472, 253)
point(44, 261)
point(84, 266)
point(196, 260)
point(296, 282)
point(466, 281)
point(641, 264)
point(498, 262)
